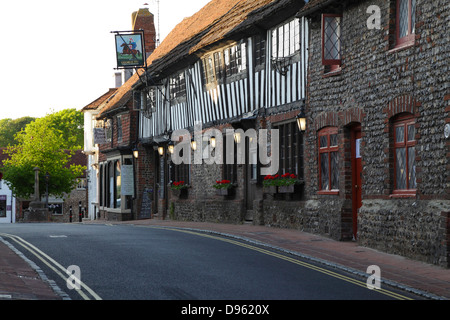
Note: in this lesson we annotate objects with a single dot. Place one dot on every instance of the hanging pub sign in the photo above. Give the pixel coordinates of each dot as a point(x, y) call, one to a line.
point(130, 50)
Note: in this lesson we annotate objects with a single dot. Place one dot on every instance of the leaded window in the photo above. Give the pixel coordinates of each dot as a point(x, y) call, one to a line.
point(331, 39)
point(405, 18)
point(177, 86)
point(259, 49)
point(291, 149)
point(286, 39)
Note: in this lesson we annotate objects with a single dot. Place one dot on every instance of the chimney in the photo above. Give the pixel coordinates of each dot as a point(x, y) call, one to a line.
point(143, 19)
point(118, 78)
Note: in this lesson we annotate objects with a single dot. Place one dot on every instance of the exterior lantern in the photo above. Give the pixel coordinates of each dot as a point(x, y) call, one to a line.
point(213, 142)
point(161, 150)
point(135, 152)
point(193, 144)
point(301, 120)
point(170, 147)
point(237, 137)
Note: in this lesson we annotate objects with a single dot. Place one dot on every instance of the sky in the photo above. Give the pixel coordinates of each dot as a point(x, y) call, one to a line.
point(58, 54)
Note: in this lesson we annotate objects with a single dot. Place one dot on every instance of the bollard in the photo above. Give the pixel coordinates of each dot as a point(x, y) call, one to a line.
point(70, 214)
point(79, 212)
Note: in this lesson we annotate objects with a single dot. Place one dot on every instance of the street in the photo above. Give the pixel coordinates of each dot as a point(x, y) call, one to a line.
point(126, 262)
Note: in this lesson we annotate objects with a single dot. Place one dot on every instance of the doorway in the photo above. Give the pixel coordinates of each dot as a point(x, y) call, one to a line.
point(250, 175)
point(356, 177)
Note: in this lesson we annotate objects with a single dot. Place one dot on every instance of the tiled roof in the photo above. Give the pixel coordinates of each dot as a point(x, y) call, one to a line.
point(229, 21)
point(214, 22)
point(97, 102)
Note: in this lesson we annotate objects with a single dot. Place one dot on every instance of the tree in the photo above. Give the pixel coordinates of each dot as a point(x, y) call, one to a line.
point(47, 143)
point(9, 128)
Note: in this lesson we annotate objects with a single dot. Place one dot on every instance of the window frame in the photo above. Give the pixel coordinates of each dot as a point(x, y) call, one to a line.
point(229, 170)
point(333, 63)
point(229, 62)
point(328, 132)
point(177, 86)
point(291, 152)
point(409, 38)
point(285, 39)
point(403, 121)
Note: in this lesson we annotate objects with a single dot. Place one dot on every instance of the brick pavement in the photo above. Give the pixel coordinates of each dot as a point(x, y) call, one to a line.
point(19, 280)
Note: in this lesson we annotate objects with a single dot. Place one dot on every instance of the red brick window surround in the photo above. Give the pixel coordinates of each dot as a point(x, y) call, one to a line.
point(331, 41)
point(405, 22)
point(328, 161)
point(404, 141)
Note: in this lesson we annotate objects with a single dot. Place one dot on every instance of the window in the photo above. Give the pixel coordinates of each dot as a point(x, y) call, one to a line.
point(291, 149)
point(82, 184)
point(405, 21)
point(229, 169)
point(235, 59)
point(328, 161)
point(108, 130)
point(2, 206)
point(208, 71)
point(286, 39)
point(404, 156)
point(119, 129)
point(177, 85)
point(259, 50)
point(331, 40)
point(227, 62)
point(181, 172)
point(118, 185)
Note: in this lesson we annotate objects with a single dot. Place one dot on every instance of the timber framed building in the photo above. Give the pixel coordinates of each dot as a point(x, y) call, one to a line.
point(373, 163)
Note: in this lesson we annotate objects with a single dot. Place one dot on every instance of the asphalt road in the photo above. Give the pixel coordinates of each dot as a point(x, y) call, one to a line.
point(148, 263)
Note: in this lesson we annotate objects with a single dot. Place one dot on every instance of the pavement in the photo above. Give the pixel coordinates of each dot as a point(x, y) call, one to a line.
point(20, 279)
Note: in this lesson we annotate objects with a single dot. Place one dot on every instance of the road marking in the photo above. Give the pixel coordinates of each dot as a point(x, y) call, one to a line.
point(52, 264)
point(293, 260)
point(58, 236)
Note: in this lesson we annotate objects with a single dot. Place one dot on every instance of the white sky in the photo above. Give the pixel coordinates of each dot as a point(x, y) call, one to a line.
point(58, 54)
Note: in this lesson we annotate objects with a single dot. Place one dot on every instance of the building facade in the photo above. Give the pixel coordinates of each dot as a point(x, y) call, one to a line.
point(370, 77)
point(377, 106)
point(7, 198)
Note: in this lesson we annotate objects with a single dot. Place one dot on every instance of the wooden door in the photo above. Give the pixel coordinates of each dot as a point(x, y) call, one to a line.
point(356, 177)
point(251, 173)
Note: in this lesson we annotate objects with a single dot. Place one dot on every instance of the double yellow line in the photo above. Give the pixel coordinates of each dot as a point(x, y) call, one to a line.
point(292, 260)
point(53, 265)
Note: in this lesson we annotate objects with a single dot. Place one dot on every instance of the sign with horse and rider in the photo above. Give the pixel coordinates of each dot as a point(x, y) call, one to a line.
point(130, 50)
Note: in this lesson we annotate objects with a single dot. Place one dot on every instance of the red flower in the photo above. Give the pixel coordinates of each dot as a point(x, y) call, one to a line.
point(293, 176)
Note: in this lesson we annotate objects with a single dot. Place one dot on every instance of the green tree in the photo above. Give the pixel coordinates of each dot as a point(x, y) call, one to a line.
point(9, 128)
point(47, 143)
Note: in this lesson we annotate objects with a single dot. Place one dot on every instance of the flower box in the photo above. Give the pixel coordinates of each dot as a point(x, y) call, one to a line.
point(224, 192)
point(270, 189)
point(179, 189)
point(180, 193)
point(286, 189)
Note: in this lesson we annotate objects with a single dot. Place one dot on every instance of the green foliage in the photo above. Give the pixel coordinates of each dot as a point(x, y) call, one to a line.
point(9, 128)
point(47, 143)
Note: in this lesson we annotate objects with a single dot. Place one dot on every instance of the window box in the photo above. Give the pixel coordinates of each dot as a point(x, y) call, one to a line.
point(286, 189)
point(270, 189)
point(180, 193)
